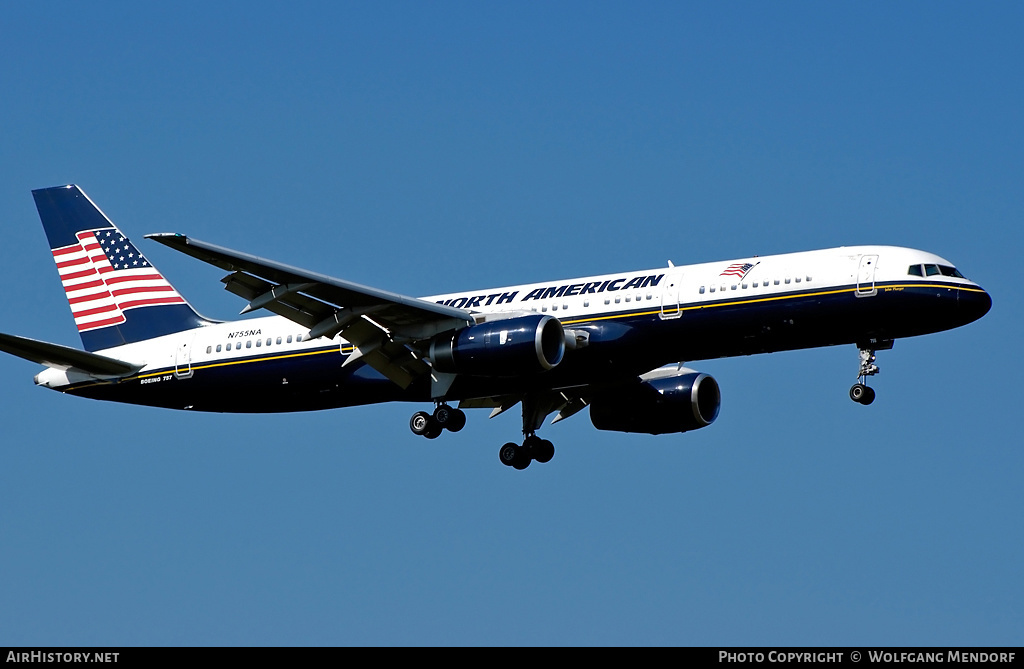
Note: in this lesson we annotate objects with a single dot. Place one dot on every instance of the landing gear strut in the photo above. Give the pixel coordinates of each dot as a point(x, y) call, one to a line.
point(432, 425)
point(860, 392)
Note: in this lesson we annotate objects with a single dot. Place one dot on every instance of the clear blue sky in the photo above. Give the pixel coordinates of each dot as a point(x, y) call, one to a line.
point(433, 147)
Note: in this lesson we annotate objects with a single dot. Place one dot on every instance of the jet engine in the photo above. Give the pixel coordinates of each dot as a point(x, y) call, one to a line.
point(687, 401)
point(511, 347)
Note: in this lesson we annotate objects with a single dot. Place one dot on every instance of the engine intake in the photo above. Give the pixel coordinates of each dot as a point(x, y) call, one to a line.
point(680, 403)
point(512, 347)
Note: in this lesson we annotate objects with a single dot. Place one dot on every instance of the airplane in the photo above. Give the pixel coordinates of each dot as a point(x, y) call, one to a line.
point(615, 343)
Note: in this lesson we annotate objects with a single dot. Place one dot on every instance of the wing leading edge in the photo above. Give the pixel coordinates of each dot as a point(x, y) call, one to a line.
point(378, 323)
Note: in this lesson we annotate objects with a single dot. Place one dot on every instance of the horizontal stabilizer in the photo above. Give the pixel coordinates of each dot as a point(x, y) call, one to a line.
point(64, 357)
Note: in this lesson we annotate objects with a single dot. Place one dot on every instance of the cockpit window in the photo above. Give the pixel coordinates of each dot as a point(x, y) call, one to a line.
point(935, 270)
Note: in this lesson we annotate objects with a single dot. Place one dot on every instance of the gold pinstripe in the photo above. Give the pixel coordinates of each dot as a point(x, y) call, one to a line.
point(241, 362)
point(774, 298)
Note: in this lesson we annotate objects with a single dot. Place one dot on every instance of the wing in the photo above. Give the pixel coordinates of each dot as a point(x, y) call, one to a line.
point(379, 324)
point(65, 358)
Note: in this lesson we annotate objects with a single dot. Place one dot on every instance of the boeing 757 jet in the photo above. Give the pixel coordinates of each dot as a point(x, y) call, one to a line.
point(614, 343)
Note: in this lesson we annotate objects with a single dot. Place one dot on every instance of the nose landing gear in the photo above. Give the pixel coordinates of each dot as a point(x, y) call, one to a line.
point(860, 392)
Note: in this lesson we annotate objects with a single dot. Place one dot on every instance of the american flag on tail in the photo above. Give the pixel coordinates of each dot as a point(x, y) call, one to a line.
point(104, 275)
point(738, 270)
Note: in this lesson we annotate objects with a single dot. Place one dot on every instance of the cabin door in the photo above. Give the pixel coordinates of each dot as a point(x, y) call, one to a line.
point(183, 357)
point(866, 276)
point(671, 293)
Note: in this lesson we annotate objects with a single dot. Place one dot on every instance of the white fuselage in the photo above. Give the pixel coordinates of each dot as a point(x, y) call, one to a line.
point(666, 292)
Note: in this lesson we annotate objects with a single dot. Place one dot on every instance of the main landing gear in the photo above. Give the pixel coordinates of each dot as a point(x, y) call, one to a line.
point(860, 392)
point(533, 448)
point(432, 425)
point(535, 410)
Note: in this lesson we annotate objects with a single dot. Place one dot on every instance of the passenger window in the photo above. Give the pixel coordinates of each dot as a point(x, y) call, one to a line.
point(712, 289)
point(259, 342)
point(209, 349)
point(776, 282)
point(298, 338)
point(701, 290)
point(279, 340)
point(743, 286)
point(289, 339)
point(798, 279)
point(586, 303)
point(238, 345)
point(915, 270)
point(248, 344)
point(787, 280)
point(268, 341)
point(733, 287)
point(755, 284)
point(218, 348)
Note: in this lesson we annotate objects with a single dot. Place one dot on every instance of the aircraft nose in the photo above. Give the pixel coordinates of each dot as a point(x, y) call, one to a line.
point(973, 303)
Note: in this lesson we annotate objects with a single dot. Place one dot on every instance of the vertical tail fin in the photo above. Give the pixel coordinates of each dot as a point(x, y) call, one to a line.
point(116, 295)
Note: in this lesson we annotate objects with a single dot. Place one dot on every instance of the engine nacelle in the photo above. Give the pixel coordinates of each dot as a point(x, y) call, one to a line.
point(680, 403)
point(511, 347)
